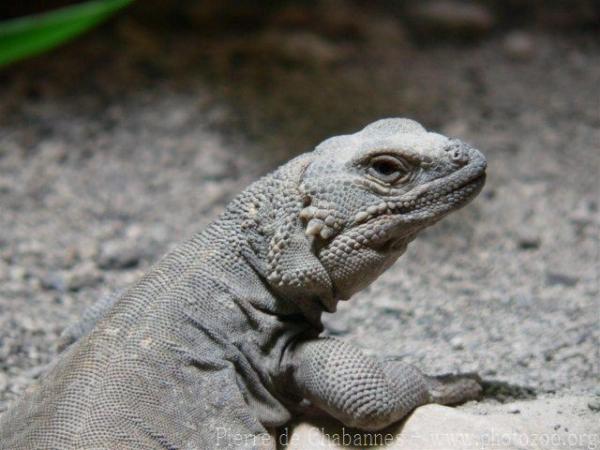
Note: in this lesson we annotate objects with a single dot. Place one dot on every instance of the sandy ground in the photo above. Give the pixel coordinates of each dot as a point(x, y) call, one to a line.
point(115, 148)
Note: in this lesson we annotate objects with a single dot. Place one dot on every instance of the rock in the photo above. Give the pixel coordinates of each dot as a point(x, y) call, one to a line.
point(476, 426)
point(451, 17)
point(3, 382)
point(593, 405)
point(527, 240)
point(555, 278)
point(300, 47)
point(37, 371)
point(85, 275)
point(31, 248)
point(584, 214)
point(336, 326)
point(32, 325)
point(519, 45)
point(4, 270)
point(118, 255)
point(87, 249)
point(17, 273)
point(66, 259)
point(428, 427)
point(457, 343)
point(55, 281)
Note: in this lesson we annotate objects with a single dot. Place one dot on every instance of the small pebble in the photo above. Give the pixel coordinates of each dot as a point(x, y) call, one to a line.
point(594, 404)
point(528, 241)
point(457, 343)
point(519, 46)
point(555, 278)
point(452, 17)
point(336, 327)
point(118, 255)
point(3, 382)
point(17, 273)
point(85, 275)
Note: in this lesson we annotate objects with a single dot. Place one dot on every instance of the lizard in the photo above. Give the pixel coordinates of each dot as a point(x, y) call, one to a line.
point(221, 342)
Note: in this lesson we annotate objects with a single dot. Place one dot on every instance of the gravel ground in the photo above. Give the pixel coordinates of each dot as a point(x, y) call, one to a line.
point(116, 147)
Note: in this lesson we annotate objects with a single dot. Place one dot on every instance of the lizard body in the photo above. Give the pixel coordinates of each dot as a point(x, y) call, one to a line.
point(219, 342)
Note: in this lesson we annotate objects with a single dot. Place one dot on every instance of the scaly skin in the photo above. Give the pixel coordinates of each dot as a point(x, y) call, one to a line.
point(219, 342)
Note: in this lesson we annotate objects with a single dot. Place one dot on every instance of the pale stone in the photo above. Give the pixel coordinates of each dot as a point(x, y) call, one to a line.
point(534, 424)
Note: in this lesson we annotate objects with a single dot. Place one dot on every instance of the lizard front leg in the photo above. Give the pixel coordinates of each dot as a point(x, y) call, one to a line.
point(364, 392)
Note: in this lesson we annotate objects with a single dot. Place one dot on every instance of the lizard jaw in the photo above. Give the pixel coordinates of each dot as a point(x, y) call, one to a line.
point(435, 199)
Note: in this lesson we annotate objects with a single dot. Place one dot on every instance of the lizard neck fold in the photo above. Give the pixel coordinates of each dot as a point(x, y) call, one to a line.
point(275, 243)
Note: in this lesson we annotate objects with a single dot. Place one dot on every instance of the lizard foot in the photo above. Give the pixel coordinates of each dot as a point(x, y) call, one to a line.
point(450, 389)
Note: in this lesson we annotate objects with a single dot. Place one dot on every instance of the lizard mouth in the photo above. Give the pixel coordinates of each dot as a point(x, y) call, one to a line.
point(430, 201)
point(400, 225)
point(457, 196)
point(433, 202)
point(404, 218)
point(443, 195)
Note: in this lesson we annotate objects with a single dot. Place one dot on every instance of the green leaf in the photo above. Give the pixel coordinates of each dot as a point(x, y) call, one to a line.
point(30, 35)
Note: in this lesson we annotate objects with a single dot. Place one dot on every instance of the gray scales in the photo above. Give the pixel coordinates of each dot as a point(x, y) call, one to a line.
point(219, 343)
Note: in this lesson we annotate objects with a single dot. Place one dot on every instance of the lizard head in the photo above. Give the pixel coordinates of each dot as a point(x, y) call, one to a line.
point(368, 194)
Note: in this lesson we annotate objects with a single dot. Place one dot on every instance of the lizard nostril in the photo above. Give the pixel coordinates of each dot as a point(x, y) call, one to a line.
point(457, 154)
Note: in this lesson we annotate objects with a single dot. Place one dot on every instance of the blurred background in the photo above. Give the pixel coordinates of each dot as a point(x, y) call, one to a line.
point(126, 126)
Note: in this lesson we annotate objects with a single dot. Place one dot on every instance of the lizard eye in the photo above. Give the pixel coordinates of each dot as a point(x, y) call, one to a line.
point(387, 168)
